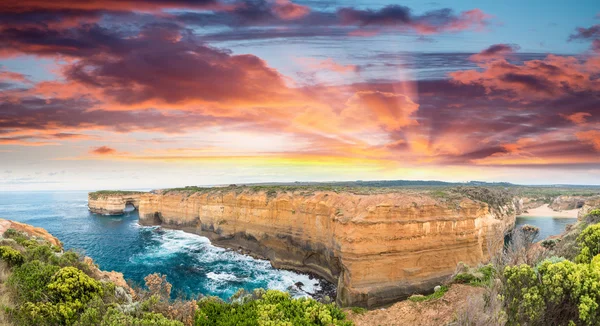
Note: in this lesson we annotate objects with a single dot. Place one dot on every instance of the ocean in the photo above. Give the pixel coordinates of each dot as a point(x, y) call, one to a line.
point(119, 243)
point(548, 225)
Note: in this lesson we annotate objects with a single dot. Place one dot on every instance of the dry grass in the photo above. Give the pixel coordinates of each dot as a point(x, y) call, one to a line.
point(5, 297)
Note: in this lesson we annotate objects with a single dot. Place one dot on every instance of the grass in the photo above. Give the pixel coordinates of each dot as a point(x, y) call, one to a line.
point(433, 296)
point(358, 310)
point(5, 298)
point(106, 193)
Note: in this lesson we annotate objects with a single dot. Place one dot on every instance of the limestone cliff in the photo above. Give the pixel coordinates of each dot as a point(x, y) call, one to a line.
point(589, 205)
point(378, 248)
point(112, 202)
point(563, 203)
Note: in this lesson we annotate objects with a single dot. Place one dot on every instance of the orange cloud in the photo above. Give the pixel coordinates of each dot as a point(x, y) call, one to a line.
point(591, 136)
point(103, 150)
point(330, 64)
point(577, 118)
point(551, 77)
point(390, 110)
point(285, 9)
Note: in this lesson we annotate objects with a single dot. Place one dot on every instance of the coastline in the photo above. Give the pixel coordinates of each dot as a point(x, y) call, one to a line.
point(545, 211)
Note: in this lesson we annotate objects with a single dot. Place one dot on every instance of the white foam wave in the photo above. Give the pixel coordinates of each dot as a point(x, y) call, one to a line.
point(221, 277)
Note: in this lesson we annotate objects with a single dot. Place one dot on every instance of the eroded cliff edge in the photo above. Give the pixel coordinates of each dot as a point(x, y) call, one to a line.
point(108, 202)
point(377, 247)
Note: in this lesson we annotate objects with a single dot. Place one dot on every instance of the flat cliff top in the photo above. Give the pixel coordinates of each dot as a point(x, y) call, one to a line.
point(493, 196)
point(109, 193)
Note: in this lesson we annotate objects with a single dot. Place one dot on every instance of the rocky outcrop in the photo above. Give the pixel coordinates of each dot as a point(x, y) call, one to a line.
point(112, 203)
point(378, 248)
point(589, 205)
point(32, 231)
point(531, 203)
point(563, 203)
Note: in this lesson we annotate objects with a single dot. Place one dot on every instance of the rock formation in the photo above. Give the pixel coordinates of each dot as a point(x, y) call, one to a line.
point(378, 248)
point(563, 203)
point(112, 203)
point(30, 230)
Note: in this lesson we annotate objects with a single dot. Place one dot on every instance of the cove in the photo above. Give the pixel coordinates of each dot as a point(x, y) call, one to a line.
point(119, 243)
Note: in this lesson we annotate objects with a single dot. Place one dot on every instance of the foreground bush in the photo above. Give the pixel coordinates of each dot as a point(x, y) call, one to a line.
point(557, 291)
point(268, 308)
point(589, 243)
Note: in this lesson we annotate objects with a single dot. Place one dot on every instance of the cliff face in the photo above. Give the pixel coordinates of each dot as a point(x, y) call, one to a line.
point(377, 248)
point(112, 204)
point(589, 205)
point(563, 203)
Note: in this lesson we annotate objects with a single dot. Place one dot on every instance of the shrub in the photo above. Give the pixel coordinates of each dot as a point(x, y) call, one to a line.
point(589, 243)
point(558, 293)
point(29, 280)
point(70, 284)
point(549, 244)
point(269, 308)
point(464, 278)
point(114, 317)
point(358, 310)
point(478, 277)
point(19, 237)
point(11, 256)
point(435, 295)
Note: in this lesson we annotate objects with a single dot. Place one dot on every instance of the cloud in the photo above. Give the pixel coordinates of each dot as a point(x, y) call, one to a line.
point(103, 150)
point(162, 64)
point(285, 9)
point(353, 21)
point(432, 22)
point(552, 77)
point(496, 51)
point(591, 33)
point(331, 65)
point(591, 136)
point(390, 110)
point(577, 117)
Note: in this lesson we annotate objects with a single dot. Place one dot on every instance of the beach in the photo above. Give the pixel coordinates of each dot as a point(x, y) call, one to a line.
point(545, 211)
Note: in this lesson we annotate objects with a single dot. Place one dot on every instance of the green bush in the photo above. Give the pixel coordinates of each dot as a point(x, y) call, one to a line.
point(70, 284)
point(549, 244)
point(29, 280)
point(589, 243)
point(478, 277)
point(434, 295)
point(11, 256)
point(19, 237)
point(558, 293)
point(358, 310)
point(269, 308)
point(114, 317)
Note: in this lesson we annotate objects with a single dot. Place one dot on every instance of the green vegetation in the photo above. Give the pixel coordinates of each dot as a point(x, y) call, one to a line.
point(435, 295)
point(480, 276)
point(46, 287)
point(358, 310)
point(268, 308)
point(106, 193)
point(556, 291)
point(589, 244)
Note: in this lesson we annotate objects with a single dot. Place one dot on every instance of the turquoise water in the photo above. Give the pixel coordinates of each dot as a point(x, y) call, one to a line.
point(548, 225)
point(119, 243)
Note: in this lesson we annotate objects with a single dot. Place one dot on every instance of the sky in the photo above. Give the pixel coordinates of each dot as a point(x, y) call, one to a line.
point(132, 94)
